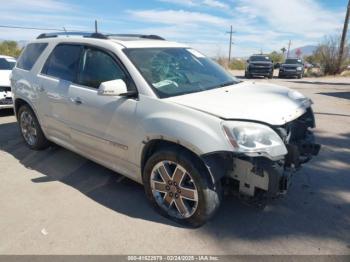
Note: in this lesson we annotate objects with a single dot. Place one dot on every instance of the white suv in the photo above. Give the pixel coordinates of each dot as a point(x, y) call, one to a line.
point(164, 115)
point(6, 65)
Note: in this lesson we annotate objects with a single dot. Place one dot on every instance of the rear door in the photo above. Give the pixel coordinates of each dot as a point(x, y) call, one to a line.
point(57, 75)
point(100, 125)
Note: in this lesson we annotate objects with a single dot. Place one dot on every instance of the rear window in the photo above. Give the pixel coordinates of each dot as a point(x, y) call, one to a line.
point(63, 62)
point(30, 55)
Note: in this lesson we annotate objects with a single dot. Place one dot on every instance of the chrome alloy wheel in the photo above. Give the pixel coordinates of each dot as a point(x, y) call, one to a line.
point(28, 128)
point(174, 189)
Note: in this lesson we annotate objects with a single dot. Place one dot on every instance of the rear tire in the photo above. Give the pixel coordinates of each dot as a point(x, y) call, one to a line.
point(170, 197)
point(30, 129)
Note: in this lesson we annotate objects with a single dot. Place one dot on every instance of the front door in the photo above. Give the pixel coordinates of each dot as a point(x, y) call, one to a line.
point(100, 125)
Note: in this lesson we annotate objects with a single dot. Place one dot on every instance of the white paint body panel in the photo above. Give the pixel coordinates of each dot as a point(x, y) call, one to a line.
point(113, 130)
point(5, 81)
point(249, 101)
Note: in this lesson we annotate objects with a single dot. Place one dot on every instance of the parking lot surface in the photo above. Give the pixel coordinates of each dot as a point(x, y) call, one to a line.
point(56, 202)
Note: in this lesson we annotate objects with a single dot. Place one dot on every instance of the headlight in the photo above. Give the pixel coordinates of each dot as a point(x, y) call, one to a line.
point(254, 139)
point(299, 68)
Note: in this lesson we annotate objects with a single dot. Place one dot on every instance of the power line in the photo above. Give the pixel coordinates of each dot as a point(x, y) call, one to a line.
point(36, 28)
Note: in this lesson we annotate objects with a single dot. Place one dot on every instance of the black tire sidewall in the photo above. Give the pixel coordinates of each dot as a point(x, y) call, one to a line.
point(208, 198)
point(41, 141)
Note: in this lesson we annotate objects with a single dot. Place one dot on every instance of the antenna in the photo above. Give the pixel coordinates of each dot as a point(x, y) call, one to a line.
point(64, 29)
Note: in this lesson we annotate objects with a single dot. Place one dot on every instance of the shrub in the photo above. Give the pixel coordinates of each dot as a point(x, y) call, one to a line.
point(237, 64)
point(9, 48)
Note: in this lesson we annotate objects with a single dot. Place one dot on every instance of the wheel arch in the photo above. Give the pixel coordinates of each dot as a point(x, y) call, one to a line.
point(19, 102)
point(207, 161)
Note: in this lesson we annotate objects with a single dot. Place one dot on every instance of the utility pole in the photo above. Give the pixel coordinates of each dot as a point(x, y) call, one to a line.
point(343, 38)
point(289, 44)
point(230, 44)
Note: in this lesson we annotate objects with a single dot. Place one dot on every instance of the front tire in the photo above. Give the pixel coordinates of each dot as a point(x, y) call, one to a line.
point(30, 129)
point(179, 187)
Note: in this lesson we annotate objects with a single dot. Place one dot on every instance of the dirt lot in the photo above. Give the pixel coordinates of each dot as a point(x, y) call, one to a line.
point(56, 202)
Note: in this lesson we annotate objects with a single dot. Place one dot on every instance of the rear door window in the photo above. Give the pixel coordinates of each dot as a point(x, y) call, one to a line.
point(30, 55)
point(63, 62)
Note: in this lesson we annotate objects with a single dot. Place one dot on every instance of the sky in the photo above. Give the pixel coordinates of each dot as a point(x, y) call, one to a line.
point(259, 25)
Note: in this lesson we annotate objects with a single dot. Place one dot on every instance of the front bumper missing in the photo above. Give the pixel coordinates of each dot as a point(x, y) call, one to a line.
point(261, 176)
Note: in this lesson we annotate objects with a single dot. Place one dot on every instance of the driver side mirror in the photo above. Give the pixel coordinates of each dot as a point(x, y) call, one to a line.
point(113, 88)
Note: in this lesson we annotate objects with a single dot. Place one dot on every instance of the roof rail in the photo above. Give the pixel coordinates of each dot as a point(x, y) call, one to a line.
point(83, 34)
point(100, 36)
point(130, 36)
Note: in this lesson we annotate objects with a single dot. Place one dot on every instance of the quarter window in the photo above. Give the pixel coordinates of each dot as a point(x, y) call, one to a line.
point(63, 62)
point(97, 67)
point(30, 55)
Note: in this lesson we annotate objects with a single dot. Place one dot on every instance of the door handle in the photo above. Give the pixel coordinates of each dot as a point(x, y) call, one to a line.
point(76, 100)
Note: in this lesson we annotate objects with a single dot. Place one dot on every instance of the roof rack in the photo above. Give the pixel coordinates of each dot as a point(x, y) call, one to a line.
point(83, 34)
point(132, 36)
point(100, 36)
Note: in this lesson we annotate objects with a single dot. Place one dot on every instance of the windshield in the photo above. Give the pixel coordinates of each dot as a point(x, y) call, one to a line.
point(178, 71)
point(7, 64)
point(259, 58)
point(293, 61)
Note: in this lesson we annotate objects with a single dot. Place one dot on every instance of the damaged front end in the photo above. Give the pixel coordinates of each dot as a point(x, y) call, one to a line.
point(257, 176)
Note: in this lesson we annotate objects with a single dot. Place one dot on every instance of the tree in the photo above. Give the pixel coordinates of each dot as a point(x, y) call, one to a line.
point(328, 55)
point(276, 57)
point(315, 58)
point(9, 48)
point(283, 49)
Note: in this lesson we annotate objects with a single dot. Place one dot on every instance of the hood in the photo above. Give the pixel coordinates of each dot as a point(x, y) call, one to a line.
point(5, 77)
point(271, 104)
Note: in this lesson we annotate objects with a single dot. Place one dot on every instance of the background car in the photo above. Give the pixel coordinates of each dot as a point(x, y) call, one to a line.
point(6, 65)
point(259, 65)
point(292, 67)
